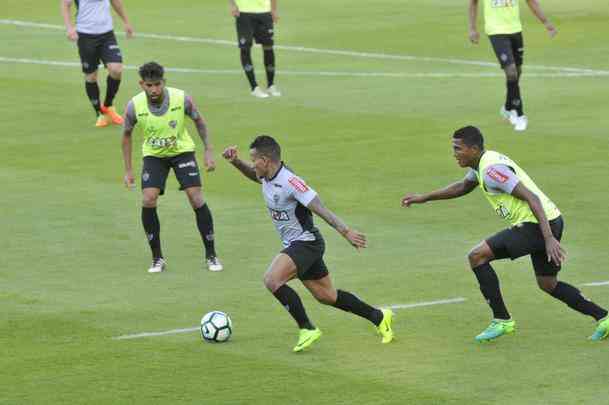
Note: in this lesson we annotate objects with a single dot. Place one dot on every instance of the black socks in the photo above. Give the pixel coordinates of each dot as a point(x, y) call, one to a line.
point(248, 67)
point(575, 300)
point(150, 220)
point(291, 301)
point(111, 90)
point(489, 285)
point(269, 66)
point(93, 93)
point(513, 100)
point(205, 224)
point(350, 303)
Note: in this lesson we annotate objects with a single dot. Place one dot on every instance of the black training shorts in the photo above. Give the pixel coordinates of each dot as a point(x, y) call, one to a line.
point(258, 26)
point(509, 48)
point(184, 165)
point(308, 257)
point(94, 48)
point(526, 239)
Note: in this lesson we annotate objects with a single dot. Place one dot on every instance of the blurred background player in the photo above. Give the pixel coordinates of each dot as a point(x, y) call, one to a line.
point(536, 230)
point(160, 112)
point(254, 20)
point(96, 41)
point(290, 201)
point(503, 27)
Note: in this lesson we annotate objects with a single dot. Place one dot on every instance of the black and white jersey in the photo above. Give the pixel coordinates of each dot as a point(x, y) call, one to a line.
point(93, 16)
point(287, 196)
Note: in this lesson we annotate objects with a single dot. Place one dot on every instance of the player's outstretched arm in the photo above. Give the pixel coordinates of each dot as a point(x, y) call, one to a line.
point(454, 190)
point(474, 35)
point(554, 251)
point(118, 6)
point(67, 20)
point(246, 169)
point(536, 9)
point(355, 238)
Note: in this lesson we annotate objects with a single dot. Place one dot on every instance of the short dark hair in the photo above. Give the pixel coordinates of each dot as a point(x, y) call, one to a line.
point(267, 146)
point(470, 135)
point(151, 71)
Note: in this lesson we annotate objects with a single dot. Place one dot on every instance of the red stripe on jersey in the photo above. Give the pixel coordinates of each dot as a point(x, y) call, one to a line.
point(497, 175)
point(298, 184)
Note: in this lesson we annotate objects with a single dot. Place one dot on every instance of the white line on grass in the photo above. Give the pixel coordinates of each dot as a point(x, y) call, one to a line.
point(307, 73)
point(196, 328)
point(596, 283)
point(369, 55)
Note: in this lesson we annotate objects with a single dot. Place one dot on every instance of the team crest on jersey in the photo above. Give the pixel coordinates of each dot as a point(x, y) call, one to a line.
point(298, 184)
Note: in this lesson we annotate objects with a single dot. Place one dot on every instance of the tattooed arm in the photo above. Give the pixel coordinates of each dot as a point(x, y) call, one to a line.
point(355, 238)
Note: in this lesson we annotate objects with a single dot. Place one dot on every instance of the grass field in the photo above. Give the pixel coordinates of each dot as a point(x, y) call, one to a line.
point(73, 269)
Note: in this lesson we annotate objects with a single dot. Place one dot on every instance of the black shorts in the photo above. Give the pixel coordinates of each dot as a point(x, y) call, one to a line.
point(527, 239)
point(258, 26)
point(94, 48)
point(509, 48)
point(155, 171)
point(308, 257)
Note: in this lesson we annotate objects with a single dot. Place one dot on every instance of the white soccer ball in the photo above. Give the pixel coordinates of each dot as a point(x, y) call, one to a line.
point(216, 327)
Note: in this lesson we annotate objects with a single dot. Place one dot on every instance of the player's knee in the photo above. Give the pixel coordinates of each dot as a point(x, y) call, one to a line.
point(116, 71)
point(324, 297)
point(547, 284)
point(271, 283)
point(91, 77)
point(149, 200)
point(196, 200)
point(511, 73)
point(477, 256)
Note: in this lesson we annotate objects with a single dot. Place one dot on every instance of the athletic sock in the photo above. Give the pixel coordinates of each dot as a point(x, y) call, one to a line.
point(93, 93)
point(291, 301)
point(205, 223)
point(111, 90)
point(575, 300)
point(152, 226)
point(269, 66)
point(350, 303)
point(248, 67)
point(489, 286)
point(513, 100)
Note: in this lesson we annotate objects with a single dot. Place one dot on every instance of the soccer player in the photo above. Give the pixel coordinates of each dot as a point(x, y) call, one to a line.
point(290, 202)
point(536, 230)
point(254, 20)
point(96, 41)
point(160, 112)
point(503, 27)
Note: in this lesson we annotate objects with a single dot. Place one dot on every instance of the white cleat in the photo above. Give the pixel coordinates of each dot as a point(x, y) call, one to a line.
point(507, 115)
point(213, 264)
point(520, 123)
point(259, 93)
point(158, 265)
point(273, 91)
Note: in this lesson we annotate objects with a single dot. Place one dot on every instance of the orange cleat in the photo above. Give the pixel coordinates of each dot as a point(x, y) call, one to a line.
point(112, 115)
point(102, 121)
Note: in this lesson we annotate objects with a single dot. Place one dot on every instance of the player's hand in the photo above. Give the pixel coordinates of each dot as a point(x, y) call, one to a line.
point(555, 252)
point(234, 11)
point(474, 36)
point(275, 16)
point(411, 198)
point(210, 163)
point(551, 29)
point(129, 180)
point(230, 153)
point(129, 31)
point(356, 239)
point(72, 34)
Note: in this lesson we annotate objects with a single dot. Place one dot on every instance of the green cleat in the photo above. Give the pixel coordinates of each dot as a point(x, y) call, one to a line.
point(384, 328)
point(602, 330)
point(306, 338)
point(498, 327)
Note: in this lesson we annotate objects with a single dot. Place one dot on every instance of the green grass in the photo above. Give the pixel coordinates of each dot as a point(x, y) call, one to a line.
point(73, 268)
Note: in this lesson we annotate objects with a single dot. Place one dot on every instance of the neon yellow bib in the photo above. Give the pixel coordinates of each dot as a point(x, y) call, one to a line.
point(254, 6)
point(501, 17)
point(164, 136)
point(507, 206)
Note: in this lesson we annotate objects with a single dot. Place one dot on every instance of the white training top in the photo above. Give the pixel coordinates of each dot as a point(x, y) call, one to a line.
point(287, 196)
point(93, 16)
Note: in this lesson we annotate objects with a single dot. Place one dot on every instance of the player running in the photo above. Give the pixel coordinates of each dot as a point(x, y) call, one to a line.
point(290, 202)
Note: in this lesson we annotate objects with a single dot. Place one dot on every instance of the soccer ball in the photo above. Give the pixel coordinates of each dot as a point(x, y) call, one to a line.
point(216, 327)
